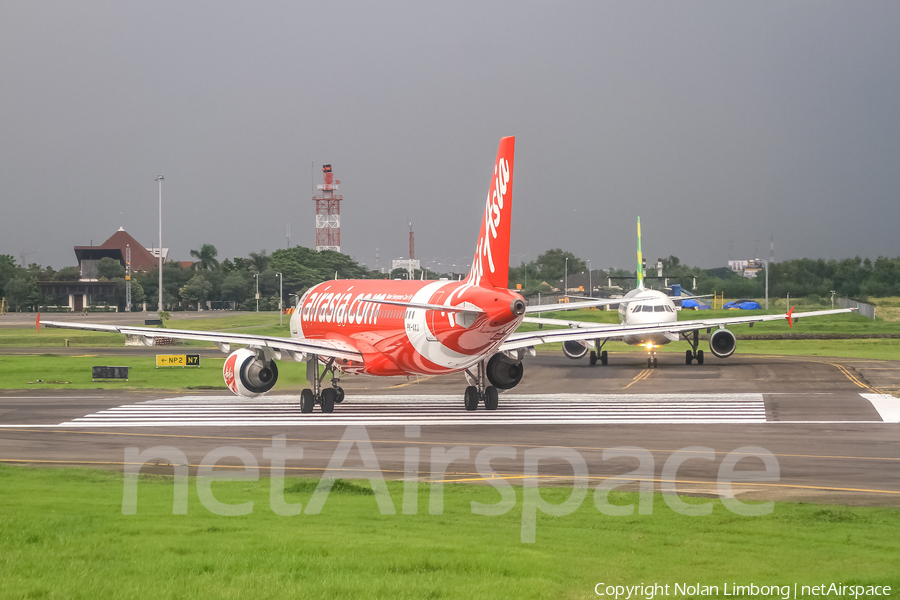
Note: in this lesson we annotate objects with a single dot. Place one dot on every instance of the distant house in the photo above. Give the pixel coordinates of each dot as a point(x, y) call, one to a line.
point(88, 291)
point(142, 259)
point(746, 268)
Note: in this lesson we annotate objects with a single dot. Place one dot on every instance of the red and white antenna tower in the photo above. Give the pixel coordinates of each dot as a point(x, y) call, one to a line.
point(412, 243)
point(328, 213)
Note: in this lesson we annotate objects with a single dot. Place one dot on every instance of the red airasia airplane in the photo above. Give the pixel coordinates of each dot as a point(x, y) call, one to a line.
point(388, 328)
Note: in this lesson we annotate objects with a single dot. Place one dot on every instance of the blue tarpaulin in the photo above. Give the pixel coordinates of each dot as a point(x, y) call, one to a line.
point(694, 304)
point(743, 305)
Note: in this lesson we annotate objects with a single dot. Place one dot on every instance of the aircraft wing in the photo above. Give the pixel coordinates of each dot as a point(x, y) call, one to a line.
point(583, 331)
point(294, 346)
point(567, 323)
point(525, 339)
point(576, 305)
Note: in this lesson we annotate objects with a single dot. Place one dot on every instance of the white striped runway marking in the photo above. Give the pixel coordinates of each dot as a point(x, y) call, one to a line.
point(515, 409)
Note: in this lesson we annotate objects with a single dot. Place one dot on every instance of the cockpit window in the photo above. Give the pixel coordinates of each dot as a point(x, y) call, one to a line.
point(659, 308)
point(669, 309)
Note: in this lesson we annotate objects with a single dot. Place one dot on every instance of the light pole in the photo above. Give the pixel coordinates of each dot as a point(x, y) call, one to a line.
point(257, 291)
point(590, 284)
point(159, 179)
point(525, 268)
point(280, 296)
point(566, 284)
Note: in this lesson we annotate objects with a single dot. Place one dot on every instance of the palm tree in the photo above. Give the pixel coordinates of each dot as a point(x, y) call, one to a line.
point(259, 261)
point(206, 258)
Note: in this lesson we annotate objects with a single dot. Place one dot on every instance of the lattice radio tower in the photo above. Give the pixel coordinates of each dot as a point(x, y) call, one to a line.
point(328, 213)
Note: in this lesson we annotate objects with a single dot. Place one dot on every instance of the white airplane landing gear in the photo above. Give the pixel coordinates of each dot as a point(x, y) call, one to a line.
point(693, 354)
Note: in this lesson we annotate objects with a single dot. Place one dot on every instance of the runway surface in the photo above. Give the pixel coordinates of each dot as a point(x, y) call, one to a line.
point(833, 431)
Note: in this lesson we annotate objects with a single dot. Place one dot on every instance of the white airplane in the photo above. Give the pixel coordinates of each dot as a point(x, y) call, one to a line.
point(649, 319)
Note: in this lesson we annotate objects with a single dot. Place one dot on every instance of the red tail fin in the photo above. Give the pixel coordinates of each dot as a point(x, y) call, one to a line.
point(788, 317)
point(490, 267)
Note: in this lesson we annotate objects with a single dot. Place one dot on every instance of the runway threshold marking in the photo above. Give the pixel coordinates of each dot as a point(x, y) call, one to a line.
point(515, 409)
point(887, 406)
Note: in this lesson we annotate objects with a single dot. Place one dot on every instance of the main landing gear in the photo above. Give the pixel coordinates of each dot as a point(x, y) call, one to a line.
point(326, 398)
point(487, 395)
point(693, 354)
point(603, 357)
point(601, 354)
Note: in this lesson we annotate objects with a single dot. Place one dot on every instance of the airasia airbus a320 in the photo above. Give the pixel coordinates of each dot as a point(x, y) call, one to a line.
point(389, 328)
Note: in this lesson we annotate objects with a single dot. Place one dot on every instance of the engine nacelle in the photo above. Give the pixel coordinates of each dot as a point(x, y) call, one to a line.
point(503, 372)
point(247, 375)
point(575, 349)
point(722, 343)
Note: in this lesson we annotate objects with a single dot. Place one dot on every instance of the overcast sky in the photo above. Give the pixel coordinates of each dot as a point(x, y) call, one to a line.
point(720, 124)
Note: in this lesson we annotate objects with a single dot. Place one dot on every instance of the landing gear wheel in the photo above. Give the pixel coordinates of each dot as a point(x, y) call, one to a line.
point(688, 357)
point(491, 398)
point(340, 395)
point(471, 397)
point(307, 401)
point(328, 397)
point(604, 358)
point(699, 357)
point(649, 363)
point(593, 358)
point(655, 362)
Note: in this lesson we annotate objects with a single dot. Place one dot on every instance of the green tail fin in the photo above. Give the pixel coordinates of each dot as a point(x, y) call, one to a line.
point(640, 259)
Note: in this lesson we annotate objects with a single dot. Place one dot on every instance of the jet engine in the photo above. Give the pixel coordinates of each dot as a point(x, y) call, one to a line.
point(575, 349)
point(722, 343)
point(503, 372)
point(249, 375)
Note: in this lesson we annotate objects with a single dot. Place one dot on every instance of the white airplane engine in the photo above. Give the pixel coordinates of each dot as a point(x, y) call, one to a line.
point(575, 349)
point(248, 375)
point(722, 343)
point(503, 372)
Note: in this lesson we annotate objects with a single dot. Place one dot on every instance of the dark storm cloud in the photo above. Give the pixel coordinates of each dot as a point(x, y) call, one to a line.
point(720, 124)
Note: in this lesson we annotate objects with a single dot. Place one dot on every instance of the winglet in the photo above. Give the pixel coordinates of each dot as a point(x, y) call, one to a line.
point(788, 317)
point(37, 322)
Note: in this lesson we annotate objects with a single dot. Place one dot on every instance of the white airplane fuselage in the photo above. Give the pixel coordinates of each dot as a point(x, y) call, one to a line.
point(647, 307)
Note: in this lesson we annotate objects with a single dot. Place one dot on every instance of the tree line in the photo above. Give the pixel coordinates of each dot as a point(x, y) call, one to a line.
point(811, 278)
point(233, 282)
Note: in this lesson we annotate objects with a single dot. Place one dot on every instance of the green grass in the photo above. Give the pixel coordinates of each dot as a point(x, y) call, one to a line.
point(74, 372)
point(49, 337)
point(64, 536)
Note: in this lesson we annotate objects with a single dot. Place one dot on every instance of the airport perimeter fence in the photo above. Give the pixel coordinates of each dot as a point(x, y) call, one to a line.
point(864, 308)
